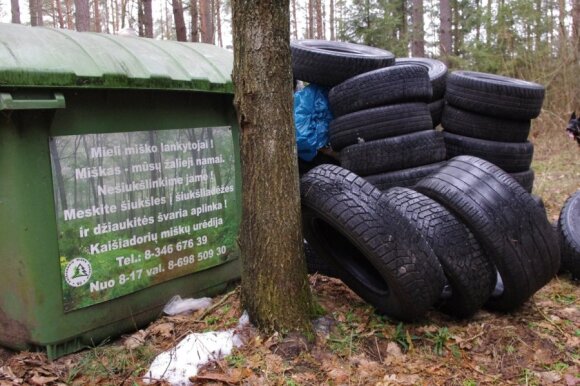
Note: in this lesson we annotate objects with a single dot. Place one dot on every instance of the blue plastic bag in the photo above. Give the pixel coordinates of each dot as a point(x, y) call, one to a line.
point(311, 117)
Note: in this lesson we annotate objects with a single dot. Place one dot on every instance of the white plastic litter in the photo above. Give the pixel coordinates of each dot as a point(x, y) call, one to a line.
point(177, 305)
point(180, 363)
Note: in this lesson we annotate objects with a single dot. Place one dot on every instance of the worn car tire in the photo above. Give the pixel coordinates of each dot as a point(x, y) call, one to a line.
point(470, 273)
point(403, 178)
point(462, 122)
point(510, 156)
point(525, 179)
point(315, 264)
point(505, 219)
point(494, 95)
point(376, 252)
point(329, 63)
point(378, 122)
point(394, 153)
point(391, 85)
point(569, 234)
point(437, 73)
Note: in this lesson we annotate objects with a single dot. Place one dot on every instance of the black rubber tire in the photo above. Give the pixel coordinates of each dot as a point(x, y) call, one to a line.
point(474, 125)
point(376, 252)
point(315, 264)
point(329, 63)
point(404, 178)
point(397, 84)
point(436, 109)
point(569, 235)
point(494, 95)
point(525, 179)
point(437, 73)
point(470, 273)
point(394, 153)
point(512, 229)
point(378, 122)
point(510, 156)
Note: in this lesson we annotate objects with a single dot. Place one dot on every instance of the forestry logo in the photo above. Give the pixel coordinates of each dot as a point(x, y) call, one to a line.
point(78, 272)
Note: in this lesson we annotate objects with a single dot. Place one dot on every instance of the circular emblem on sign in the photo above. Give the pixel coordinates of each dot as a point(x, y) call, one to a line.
point(78, 272)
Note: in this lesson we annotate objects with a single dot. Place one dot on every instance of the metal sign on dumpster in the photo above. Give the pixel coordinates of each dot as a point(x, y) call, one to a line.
point(136, 209)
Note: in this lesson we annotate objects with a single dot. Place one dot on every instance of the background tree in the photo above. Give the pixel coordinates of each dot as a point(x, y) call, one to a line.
point(418, 40)
point(180, 30)
point(275, 289)
point(82, 15)
point(15, 11)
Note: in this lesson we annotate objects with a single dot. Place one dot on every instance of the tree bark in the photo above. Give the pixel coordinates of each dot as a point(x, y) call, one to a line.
point(319, 25)
point(418, 40)
point(82, 18)
point(194, 13)
point(275, 289)
point(97, 17)
point(205, 8)
point(59, 14)
point(331, 20)
point(310, 18)
point(148, 18)
point(15, 10)
point(294, 20)
point(36, 13)
point(180, 30)
point(218, 22)
point(445, 42)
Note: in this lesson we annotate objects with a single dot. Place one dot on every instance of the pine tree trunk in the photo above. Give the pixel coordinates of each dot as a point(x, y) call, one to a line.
point(445, 30)
point(59, 14)
point(82, 18)
point(294, 20)
point(148, 18)
point(218, 22)
point(275, 289)
point(205, 8)
point(180, 31)
point(331, 20)
point(97, 17)
point(15, 10)
point(35, 7)
point(319, 25)
point(194, 12)
point(310, 18)
point(456, 29)
point(418, 41)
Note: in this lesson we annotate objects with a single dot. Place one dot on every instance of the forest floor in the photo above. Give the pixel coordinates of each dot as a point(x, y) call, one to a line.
point(538, 344)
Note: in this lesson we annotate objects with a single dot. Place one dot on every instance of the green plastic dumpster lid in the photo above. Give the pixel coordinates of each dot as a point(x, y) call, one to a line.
point(46, 57)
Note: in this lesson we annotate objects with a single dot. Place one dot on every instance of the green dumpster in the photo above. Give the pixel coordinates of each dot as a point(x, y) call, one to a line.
point(120, 182)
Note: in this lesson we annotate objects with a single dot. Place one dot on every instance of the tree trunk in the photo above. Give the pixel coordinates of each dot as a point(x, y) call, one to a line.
point(15, 10)
point(36, 13)
point(563, 33)
point(418, 40)
point(310, 18)
point(180, 31)
point(194, 12)
point(97, 17)
point(445, 44)
point(218, 22)
point(457, 33)
point(59, 14)
point(82, 18)
point(319, 25)
point(205, 8)
point(331, 20)
point(275, 289)
point(147, 18)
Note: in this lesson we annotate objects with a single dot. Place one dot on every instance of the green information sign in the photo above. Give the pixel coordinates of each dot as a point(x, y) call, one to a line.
point(139, 208)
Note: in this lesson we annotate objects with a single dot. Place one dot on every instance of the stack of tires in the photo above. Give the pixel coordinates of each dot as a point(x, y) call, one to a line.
point(568, 228)
point(438, 76)
point(464, 237)
point(489, 116)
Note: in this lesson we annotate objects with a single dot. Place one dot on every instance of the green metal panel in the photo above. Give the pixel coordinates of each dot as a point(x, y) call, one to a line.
point(110, 85)
point(35, 56)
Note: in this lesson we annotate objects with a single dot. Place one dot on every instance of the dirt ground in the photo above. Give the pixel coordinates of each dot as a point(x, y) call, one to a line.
point(538, 344)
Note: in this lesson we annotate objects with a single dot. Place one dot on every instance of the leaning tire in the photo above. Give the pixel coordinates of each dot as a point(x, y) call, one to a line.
point(329, 63)
point(525, 179)
point(468, 270)
point(511, 157)
point(403, 178)
point(436, 110)
point(378, 122)
point(509, 225)
point(397, 84)
point(569, 234)
point(395, 153)
point(376, 252)
point(494, 95)
point(437, 73)
point(462, 122)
